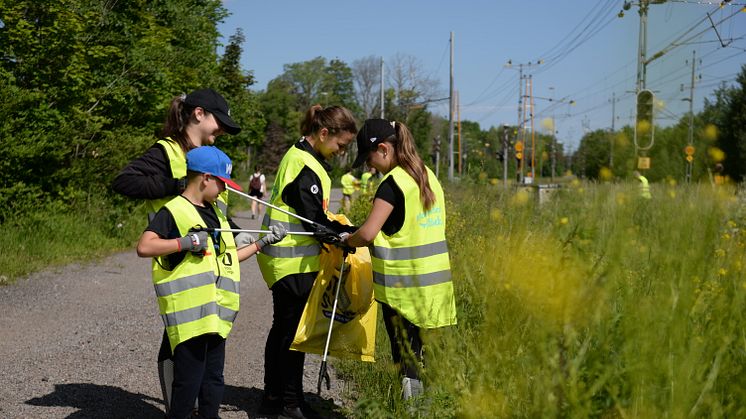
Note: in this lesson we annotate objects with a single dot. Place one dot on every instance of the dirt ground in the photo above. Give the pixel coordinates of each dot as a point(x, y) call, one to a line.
point(81, 342)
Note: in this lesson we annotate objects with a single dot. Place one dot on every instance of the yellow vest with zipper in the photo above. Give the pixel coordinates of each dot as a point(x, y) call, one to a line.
point(177, 163)
point(411, 269)
point(295, 253)
point(200, 295)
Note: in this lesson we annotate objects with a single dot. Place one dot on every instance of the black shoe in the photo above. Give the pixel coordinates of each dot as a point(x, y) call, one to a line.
point(292, 413)
point(270, 407)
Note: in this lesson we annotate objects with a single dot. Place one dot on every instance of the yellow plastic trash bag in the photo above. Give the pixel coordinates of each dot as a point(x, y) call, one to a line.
point(354, 331)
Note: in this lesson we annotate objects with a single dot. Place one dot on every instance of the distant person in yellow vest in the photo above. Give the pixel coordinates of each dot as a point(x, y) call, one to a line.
point(349, 184)
point(411, 270)
point(366, 179)
point(302, 186)
point(644, 185)
point(157, 176)
point(196, 277)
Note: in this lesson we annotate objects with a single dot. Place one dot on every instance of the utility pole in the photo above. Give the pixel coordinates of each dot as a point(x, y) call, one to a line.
point(690, 141)
point(505, 155)
point(642, 45)
point(520, 127)
point(611, 137)
point(382, 89)
point(533, 132)
point(450, 118)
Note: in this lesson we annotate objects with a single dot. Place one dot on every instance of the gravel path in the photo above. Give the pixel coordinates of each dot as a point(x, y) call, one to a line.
point(81, 342)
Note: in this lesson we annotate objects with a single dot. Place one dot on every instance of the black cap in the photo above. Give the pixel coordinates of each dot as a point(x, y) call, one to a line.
point(212, 102)
point(373, 132)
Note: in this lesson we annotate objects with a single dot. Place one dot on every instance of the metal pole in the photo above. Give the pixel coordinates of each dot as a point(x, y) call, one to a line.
point(253, 198)
point(505, 155)
point(690, 141)
point(240, 230)
point(323, 374)
point(450, 118)
point(611, 139)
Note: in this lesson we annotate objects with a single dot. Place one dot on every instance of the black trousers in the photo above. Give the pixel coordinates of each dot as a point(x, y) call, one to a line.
point(406, 342)
point(283, 368)
point(198, 372)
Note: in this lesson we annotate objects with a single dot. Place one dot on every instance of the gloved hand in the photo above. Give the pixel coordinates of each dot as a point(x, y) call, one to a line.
point(195, 242)
point(243, 239)
point(325, 235)
point(277, 233)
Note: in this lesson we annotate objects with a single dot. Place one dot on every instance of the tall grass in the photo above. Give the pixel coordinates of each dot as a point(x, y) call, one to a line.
point(596, 303)
point(79, 228)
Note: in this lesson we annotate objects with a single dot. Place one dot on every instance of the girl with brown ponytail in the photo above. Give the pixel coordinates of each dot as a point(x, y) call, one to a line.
point(302, 186)
point(411, 269)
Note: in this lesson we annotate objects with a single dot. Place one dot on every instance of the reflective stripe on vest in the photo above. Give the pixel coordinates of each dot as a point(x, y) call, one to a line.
point(411, 269)
point(294, 254)
point(197, 313)
point(201, 294)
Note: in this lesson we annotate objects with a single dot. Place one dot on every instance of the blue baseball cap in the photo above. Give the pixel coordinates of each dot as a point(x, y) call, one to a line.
point(210, 160)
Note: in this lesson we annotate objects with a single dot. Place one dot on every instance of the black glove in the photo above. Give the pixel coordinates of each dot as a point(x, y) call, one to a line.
point(327, 236)
point(195, 242)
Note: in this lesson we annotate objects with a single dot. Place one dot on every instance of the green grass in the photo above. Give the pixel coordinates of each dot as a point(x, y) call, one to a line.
point(55, 234)
point(595, 304)
point(78, 228)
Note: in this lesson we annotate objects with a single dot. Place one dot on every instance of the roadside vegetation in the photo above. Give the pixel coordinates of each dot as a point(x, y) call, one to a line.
point(596, 303)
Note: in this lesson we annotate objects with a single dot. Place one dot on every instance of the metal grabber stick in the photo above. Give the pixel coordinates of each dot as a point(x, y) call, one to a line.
point(253, 198)
point(240, 230)
point(323, 374)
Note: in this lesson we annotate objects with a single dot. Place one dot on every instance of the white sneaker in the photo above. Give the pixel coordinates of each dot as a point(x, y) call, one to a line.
point(411, 387)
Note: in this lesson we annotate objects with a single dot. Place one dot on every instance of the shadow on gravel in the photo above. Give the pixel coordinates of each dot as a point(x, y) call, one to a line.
point(100, 401)
point(248, 400)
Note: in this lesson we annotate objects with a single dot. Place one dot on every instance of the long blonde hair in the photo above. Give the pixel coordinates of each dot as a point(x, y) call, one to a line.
point(410, 161)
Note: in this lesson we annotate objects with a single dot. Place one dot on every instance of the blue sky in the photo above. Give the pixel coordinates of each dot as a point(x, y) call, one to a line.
point(589, 53)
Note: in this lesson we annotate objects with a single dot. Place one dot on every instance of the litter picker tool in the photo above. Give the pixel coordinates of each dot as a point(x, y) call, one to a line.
point(253, 198)
point(238, 230)
point(322, 233)
point(323, 374)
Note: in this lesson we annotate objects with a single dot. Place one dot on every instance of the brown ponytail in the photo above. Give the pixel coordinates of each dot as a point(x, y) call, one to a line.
point(175, 126)
point(334, 118)
point(410, 161)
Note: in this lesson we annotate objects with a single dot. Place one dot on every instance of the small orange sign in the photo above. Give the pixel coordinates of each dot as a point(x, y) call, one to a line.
point(689, 159)
point(519, 146)
point(519, 155)
point(689, 150)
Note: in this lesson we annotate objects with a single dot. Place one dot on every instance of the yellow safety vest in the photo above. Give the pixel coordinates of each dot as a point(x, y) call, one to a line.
point(644, 187)
point(295, 253)
point(411, 270)
point(177, 163)
point(364, 180)
point(348, 184)
point(200, 295)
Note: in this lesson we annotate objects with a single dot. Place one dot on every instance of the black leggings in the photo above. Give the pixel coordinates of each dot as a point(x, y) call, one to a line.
point(406, 342)
point(283, 368)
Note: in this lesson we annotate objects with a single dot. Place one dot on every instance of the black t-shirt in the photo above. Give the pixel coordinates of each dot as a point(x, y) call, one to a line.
point(164, 225)
point(389, 191)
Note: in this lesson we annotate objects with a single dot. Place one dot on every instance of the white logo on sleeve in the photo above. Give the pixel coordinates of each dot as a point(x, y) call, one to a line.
point(314, 189)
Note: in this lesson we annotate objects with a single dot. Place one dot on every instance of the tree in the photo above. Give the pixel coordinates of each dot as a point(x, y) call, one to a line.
point(234, 84)
point(728, 114)
point(367, 76)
